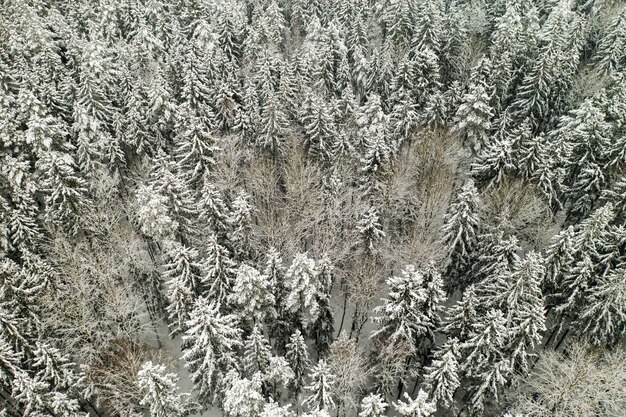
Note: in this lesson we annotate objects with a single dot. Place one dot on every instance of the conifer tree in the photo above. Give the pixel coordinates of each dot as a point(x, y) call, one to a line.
point(195, 147)
point(460, 231)
point(610, 54)
point(320, 388)
point(256, 352)
point(251, 294)
point(65, 190)
point(473, 118)
point(220, 270)
point(298, 358)
point(603, 316)
point(373, 405)
point(210, 345)
point(442, 376)
point(301, 283)
point(418, 407)
point(160, 393)
point(462, 316)
point(370, 229)
point(401, 317)
point(185, 276)
point(243, 398)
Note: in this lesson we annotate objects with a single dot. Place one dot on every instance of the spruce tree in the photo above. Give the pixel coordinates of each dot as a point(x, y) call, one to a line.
point(210, 345)
point(298, 358)
point(320, 388)
point(460, 232)
point(160, 392)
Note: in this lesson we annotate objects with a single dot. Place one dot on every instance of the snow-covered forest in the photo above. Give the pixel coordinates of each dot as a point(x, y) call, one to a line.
point(312, 208)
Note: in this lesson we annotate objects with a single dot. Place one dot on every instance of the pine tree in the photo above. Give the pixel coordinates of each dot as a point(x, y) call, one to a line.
point(485, 344)
point(210, 345)
point(494, 162)
point(520, 296)
point(373, 406)
point(64, 189)
point(298, 358)
point(160, 392)
point(418, 407)
point(240, 221)
point(320, 389)
point(272, 409)
point(460, 231)
point(586, 136)
point(195, 147)
point(494, 258)
point(442, 376)
point(319, 128)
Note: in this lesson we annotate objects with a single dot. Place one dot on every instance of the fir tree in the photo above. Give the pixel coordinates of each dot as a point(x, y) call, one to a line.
point(243, 398)
point(603, 316)
point(370, 229)
point(462, 316)
point(301, 283)
point(220, 270)
point(185, 276)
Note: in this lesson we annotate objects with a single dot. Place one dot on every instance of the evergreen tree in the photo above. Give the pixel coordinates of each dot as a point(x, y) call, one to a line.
point(251, 293)
point(460, 231)
point(473, 118)
point(320, 388)
point(301, 283)
point(221, 270)
point(373, 406)
point(418, 407)
point(243, 398)
point(195, 147)
point(64, 189)
point(240, 221)
point(160, 392)
point(603, 316)
point(298, 358)
point(442, 376)
point(401, 317)
point(185, 276)
point(210, 345)
point(256, 352)
point(370, 229)
point(462, 316)
point(610, 54)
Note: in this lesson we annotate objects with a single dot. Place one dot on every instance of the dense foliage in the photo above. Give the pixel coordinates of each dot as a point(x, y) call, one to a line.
point(286, 208)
